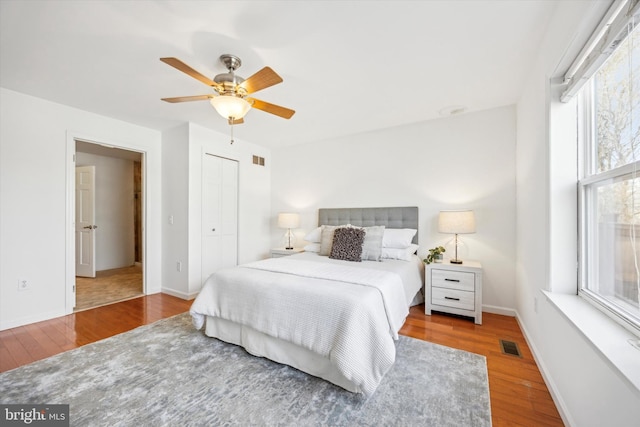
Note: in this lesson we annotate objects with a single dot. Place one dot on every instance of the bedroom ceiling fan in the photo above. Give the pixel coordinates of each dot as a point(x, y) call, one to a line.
point(231, 99)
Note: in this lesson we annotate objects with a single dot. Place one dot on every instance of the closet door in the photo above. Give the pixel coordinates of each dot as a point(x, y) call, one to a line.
point(219, 214)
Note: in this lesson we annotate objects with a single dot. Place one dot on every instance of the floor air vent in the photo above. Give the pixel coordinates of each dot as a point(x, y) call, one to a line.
point(510, 347)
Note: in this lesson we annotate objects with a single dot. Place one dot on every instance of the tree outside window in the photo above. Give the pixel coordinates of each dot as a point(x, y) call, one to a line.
point(611, 186)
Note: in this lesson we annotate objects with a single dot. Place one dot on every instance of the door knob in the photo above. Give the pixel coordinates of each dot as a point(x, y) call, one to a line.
point(91, 227)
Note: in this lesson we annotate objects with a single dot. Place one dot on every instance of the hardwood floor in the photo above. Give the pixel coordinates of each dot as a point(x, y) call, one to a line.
point(519, 396)
point(26, 344)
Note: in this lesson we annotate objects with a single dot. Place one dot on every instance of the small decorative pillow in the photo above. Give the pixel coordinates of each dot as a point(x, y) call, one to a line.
point(347, 244)
point(326, 239)
point(372, 248)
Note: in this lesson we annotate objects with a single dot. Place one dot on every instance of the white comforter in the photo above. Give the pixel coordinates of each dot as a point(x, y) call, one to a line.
point(349, 315)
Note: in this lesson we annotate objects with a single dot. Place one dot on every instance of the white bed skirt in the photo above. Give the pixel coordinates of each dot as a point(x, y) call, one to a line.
point(259, 344)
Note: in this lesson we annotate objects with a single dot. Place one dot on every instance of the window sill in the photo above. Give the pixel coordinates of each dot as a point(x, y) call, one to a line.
point(609, 338)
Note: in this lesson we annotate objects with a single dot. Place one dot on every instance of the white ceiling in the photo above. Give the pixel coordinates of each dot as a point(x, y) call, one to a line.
point(348, 66)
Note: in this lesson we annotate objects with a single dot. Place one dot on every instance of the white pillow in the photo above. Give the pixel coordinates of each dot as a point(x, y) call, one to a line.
point(372, 246)
point(401, 254)
point(313, 247)
point(314, 236)
point(399, 238)
point(326, 239)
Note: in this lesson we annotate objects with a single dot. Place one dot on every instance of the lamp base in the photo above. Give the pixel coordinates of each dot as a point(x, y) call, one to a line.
point(289, 240)
point(456, 261)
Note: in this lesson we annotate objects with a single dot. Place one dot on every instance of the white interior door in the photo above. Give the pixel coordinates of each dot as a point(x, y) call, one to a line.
point(219, 214)
point(85, 221)
point(229, 213)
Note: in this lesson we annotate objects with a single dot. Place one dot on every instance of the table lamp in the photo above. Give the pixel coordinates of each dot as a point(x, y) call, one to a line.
point(289, 221)
point(457, 222)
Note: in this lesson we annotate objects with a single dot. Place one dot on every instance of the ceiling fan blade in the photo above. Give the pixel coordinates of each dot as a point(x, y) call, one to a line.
point(236, 121)
point(283, 112)
point(179, 65)
point(187, 98)
point(261, 80)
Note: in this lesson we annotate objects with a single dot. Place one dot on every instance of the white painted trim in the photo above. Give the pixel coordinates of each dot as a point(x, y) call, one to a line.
point(70, 242)
point(70, 266)
point(21, 321)
point(143, 216)
point(178, 294)
point(606, 336)
point(499, 310)
point(553, 389)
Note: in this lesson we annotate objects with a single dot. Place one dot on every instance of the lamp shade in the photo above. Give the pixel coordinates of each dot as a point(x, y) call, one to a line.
point(457, 222)
point(229, 106)
point(288, 220)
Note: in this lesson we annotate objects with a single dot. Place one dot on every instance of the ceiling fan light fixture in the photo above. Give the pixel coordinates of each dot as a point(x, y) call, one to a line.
point(230, 107)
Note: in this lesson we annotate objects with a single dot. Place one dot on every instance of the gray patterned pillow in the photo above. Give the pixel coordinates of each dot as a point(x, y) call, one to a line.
point(347, 244)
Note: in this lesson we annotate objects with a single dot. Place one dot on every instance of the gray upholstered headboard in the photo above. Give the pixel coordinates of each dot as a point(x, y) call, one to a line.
point(401, 217)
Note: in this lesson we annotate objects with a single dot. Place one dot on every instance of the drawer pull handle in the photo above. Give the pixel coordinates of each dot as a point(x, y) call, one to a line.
point(451, 280)
point(451, 298)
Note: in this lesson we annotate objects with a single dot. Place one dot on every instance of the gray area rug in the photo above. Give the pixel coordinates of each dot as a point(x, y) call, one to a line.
point(169, 374)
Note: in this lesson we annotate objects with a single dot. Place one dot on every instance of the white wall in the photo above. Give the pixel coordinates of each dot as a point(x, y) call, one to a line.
point(175, 204)
point(36, 144)
point(183, 148)
point(465, 161)
point(585, 386)
point(114, 198)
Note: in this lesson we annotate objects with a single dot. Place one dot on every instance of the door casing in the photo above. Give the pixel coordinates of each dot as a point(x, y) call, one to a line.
point(70, 250)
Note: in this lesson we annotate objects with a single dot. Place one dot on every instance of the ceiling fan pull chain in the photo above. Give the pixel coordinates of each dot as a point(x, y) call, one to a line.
point(231, 131)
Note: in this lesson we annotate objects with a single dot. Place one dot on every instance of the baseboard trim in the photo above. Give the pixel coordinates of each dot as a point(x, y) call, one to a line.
point(499, 310)
point(179, 294)
point(553, 390)
point(14, 323)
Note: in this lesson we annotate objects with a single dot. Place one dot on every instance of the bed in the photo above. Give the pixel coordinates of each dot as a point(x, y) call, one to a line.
point(331, 318)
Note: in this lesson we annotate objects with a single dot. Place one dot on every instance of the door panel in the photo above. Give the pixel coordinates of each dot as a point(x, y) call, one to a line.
point(85, 221)
point(219, 214)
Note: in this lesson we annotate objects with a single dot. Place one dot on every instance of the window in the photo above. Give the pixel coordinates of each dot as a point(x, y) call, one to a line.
point(609, 188)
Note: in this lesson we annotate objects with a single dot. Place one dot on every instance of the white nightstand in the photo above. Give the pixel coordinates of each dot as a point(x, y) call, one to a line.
point(454, 288)
point(280, 252)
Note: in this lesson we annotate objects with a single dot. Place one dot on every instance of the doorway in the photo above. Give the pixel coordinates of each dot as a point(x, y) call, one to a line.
point(111, 239)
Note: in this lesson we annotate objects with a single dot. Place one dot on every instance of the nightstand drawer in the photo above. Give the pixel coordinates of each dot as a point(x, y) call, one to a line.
point(461, 280)
point(453, 298)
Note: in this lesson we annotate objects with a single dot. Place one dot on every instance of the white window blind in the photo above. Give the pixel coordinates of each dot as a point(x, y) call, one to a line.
point(618, 22)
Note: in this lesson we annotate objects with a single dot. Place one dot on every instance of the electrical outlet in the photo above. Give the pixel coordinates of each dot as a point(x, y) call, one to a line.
point(179, 266)
point(170, 219)
point(23, 284)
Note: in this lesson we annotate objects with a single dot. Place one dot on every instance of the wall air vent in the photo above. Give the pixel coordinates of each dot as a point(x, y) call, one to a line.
point(257, 160)
point(510, 347)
